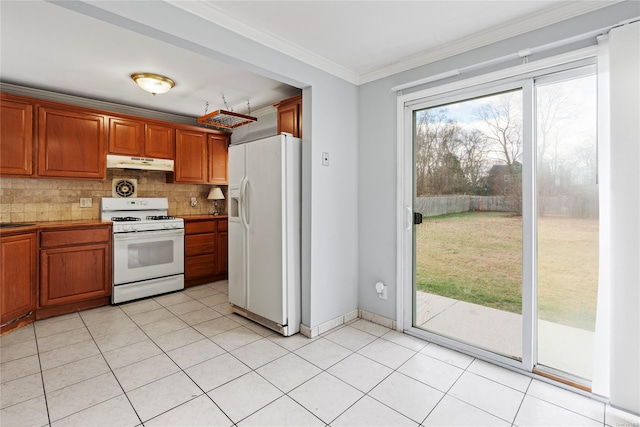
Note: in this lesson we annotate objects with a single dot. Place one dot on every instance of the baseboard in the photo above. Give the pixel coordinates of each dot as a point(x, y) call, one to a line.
point(376, 318)
point(327, 326)
point(346, 318)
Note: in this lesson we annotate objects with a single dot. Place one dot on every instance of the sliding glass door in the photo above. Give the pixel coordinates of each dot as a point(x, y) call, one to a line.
point(468, 249)
point(505, 258)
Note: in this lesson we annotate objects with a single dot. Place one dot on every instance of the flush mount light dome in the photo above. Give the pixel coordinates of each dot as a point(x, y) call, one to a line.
point(153, 83)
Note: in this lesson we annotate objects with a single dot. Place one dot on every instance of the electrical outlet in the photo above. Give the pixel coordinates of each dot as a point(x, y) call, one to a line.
point(86, 202)
point(381, 289)
point(194, 202)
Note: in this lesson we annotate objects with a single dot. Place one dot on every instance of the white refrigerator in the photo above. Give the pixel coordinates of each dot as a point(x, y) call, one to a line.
point(265, 231)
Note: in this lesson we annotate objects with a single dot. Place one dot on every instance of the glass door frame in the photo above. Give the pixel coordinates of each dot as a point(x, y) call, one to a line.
point(528, 206)
point(524, 77)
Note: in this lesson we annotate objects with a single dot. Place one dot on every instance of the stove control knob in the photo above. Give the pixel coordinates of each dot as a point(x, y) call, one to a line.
point(126, 227)
point(143, 202)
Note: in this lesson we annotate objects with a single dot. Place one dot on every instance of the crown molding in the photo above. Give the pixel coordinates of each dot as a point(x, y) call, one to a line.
point(563, 11)
point(212, 13)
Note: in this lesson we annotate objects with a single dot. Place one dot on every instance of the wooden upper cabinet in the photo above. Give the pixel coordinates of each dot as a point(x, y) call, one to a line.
point(159, 141)
point(290, 116)
point(191, 157)
point(218, 153)
point(71, 143)
point(126, 137)
point(130, 137)
point(16, 134)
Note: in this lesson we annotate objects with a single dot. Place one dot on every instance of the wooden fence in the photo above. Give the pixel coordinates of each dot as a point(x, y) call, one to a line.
point(442, 205)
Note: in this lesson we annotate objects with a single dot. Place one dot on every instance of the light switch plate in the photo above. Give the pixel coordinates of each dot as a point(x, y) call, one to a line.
point(86, 202)
point(325, 159)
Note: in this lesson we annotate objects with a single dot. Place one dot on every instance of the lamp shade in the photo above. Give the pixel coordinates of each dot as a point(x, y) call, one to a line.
point(215, 194)
point(153, 83)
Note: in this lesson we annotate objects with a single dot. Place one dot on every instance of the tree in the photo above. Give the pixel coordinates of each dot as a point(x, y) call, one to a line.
point(438, 169)
point(503, 132)
point(473, 159)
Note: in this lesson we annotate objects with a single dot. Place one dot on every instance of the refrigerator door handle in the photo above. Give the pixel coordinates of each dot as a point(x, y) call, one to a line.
point(245, 202)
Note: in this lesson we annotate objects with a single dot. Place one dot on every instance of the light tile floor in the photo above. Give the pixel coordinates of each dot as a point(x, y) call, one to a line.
point(184, 359)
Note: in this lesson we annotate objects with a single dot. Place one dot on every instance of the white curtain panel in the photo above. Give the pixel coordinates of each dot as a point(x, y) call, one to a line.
point(617, 358)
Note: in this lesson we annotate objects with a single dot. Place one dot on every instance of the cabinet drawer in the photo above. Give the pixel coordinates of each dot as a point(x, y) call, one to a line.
point(75, 237)
point(199, 244)
point(195, 227)
point(223, 225)
point(200, 266)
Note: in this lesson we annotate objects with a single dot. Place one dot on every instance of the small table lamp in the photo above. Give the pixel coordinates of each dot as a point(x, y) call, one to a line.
point(215, 194)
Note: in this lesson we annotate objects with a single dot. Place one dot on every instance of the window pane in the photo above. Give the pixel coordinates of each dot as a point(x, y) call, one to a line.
point(468, 250)
point(567, 224)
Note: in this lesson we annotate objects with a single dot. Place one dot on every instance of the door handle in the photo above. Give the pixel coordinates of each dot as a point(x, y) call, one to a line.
point(408, 222)
point(417, 218)
point(244, 199)
point(247, 203)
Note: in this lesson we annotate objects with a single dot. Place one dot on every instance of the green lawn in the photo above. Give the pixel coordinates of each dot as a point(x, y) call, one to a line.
point(477, 257)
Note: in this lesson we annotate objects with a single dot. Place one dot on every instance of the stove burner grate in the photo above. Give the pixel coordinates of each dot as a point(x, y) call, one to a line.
point(159, 217)
point(125, 218)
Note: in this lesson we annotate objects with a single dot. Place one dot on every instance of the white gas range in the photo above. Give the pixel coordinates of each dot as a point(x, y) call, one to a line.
point(148, 247)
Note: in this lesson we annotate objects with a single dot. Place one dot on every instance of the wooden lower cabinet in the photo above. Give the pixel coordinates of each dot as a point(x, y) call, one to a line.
point(205, 250)
point(223, 244)
point(18, 272)
point(75, 269)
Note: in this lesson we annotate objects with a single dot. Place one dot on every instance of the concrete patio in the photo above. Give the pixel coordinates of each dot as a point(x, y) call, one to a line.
point(560, 347)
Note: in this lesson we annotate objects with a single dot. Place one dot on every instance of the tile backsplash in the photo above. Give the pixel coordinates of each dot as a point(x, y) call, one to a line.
point(31, 199)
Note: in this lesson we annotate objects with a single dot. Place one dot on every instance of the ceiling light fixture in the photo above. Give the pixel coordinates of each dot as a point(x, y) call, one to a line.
point(153, 83)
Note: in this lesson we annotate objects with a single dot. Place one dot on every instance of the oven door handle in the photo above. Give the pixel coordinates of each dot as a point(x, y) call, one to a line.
point(137, 235)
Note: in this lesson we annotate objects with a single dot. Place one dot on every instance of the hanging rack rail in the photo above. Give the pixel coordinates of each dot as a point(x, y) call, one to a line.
point(226, 119)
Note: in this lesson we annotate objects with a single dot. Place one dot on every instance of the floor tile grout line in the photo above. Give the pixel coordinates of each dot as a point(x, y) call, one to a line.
point(288, 351)
point(180, 370)
point(465, 370)
point(526, 392)
point(114, 376)
point(44, 391)
point(567, 409)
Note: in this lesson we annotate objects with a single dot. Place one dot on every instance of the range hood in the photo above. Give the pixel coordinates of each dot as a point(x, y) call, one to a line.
point(139, 163)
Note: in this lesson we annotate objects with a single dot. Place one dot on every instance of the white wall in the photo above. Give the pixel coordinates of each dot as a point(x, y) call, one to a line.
point(330, 232)
point(377, 177)
point(267, 125)
point(377, 149)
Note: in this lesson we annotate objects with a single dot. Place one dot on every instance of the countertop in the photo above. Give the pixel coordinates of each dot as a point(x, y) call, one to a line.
point(202, 217)
point(27, 227)
point(7, 229)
